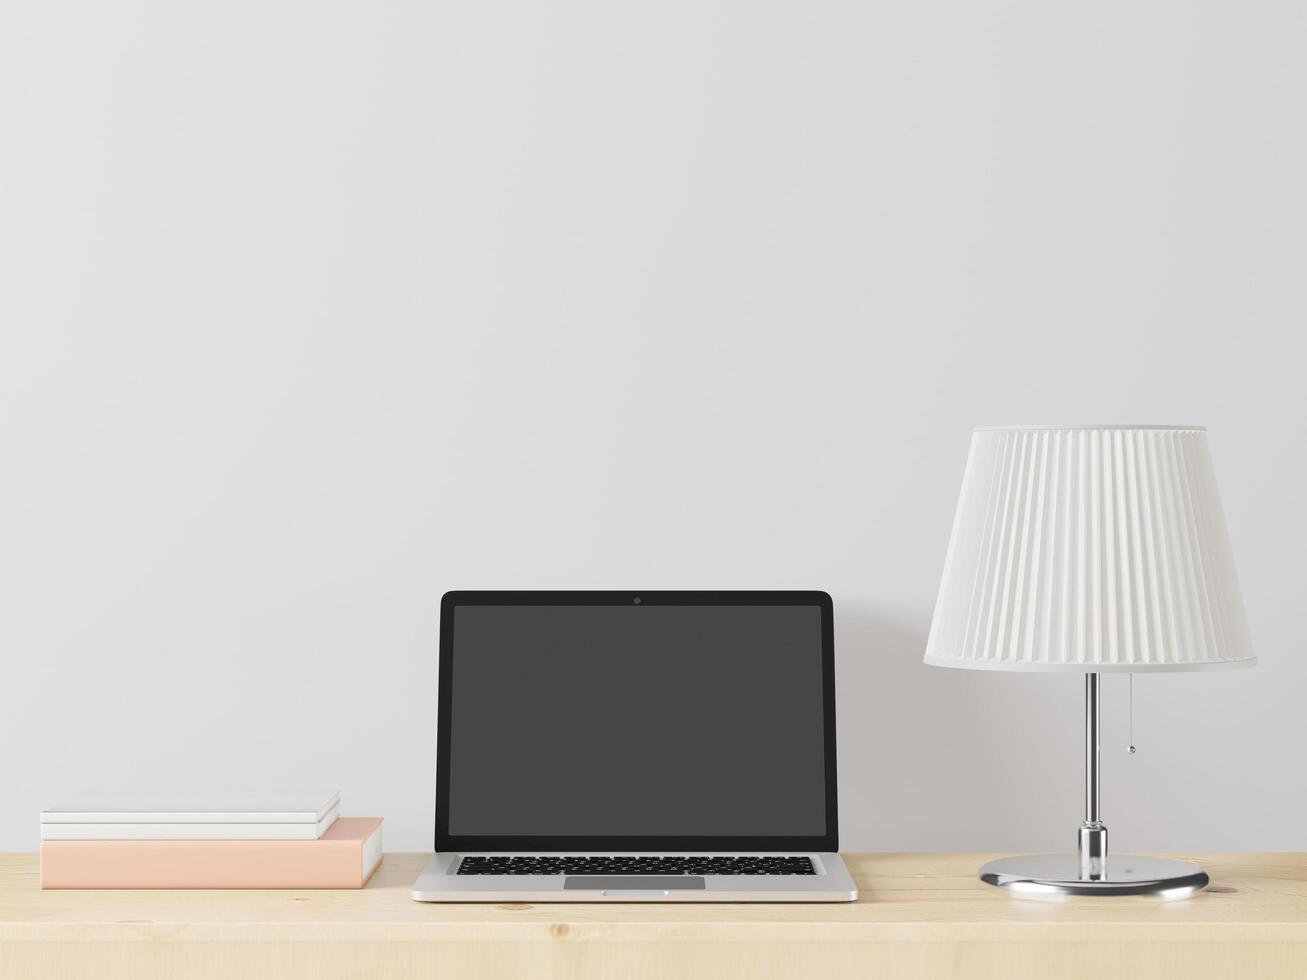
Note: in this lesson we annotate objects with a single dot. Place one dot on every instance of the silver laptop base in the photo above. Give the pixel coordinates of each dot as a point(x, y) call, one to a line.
point(439, 883)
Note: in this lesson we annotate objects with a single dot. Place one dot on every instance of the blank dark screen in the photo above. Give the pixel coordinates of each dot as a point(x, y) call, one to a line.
point(640, 720)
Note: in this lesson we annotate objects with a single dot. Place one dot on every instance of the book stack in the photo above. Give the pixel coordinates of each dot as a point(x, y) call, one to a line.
point(290, 842)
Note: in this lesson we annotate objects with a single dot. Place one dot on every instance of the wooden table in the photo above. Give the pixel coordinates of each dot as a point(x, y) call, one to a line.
point(921, 915)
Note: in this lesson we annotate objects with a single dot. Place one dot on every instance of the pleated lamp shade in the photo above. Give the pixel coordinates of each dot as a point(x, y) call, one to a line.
point(1089, 548)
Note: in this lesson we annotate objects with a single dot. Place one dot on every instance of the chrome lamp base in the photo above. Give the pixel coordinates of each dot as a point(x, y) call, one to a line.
point(1092, 870)
point(1058, 875)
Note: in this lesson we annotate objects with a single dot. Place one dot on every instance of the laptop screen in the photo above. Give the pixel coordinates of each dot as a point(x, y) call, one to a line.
point(638, 720)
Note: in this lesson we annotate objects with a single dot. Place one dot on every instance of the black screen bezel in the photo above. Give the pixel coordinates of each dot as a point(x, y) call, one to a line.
point(445, 841)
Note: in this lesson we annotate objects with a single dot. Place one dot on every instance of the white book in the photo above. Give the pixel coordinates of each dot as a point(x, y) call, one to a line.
point(302, 818)
point(298, 808)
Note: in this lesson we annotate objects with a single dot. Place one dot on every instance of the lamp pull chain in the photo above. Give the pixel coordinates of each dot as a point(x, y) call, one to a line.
point(1132, 713)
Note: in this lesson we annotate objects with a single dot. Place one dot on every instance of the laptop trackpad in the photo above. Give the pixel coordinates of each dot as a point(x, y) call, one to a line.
point(641, 883)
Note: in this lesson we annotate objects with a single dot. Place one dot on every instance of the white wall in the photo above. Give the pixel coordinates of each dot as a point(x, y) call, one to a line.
point(313, 311)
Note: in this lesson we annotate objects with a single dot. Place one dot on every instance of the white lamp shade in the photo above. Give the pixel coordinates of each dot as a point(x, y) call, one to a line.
point(1089, 548)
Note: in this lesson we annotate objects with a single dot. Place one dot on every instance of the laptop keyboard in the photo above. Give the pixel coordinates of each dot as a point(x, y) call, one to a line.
point(560, 864)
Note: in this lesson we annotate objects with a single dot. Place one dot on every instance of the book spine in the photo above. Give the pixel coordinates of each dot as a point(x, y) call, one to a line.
point(202, 864)
point(181, 831)
point(151, 816)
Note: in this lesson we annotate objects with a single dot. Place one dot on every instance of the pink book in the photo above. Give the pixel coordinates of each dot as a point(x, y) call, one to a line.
point(343, 857)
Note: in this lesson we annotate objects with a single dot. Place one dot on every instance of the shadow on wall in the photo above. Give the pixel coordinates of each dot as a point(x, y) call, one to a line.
point(940, 759)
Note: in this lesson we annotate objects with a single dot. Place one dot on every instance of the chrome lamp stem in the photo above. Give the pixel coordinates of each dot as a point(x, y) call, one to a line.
point(1087, 872)
point(1093, 835)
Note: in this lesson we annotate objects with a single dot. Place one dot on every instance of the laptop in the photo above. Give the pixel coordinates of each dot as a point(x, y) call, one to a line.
point(636, 747)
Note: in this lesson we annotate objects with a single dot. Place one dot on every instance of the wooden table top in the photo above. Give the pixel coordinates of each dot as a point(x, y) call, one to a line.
point(904, 897)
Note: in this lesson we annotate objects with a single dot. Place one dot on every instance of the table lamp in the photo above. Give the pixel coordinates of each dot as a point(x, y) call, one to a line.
point(1087, 550)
